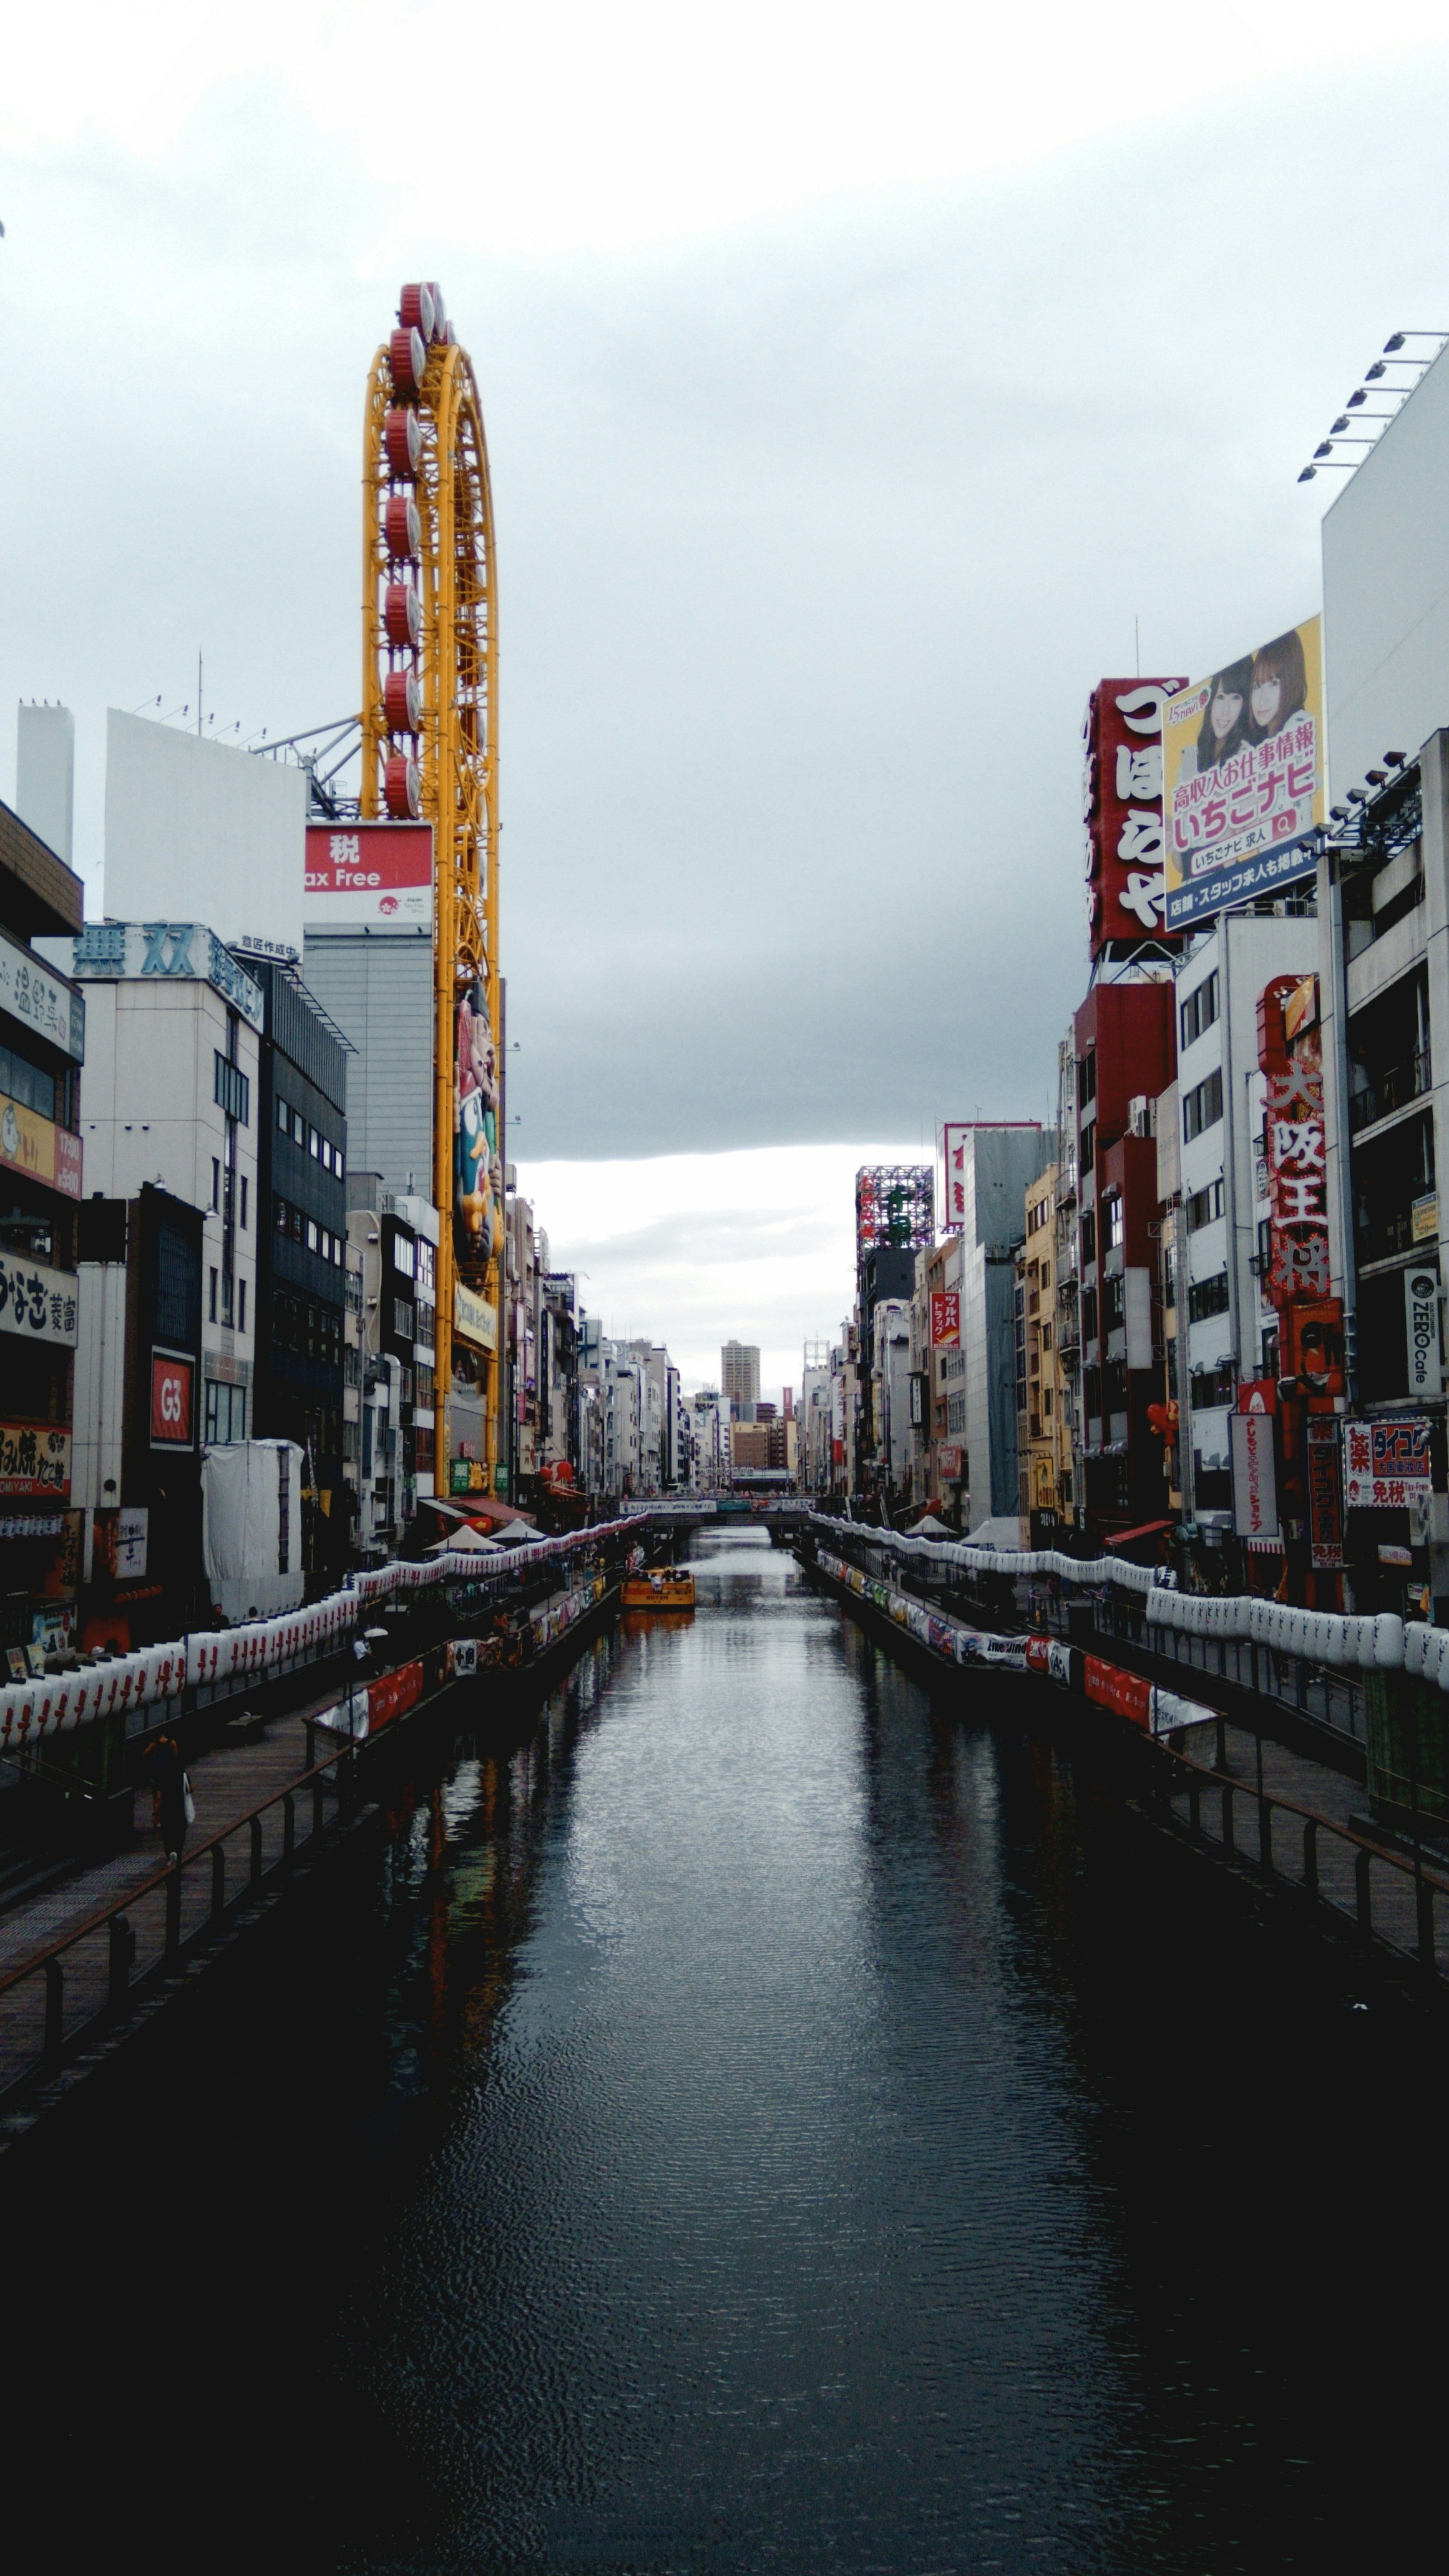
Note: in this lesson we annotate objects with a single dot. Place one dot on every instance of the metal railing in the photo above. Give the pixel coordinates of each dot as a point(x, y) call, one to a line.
point(1392, 1089)
point(60, 1999)
point(1385, 1896)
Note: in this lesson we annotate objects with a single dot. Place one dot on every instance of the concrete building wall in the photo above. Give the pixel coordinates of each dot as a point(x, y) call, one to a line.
point(1386, 591)
point(150, 1114)
point(378, 987)
point(197, 830)
point(1244, 952)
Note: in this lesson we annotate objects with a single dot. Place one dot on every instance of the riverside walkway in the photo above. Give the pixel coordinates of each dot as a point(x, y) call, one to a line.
point(1263, 1808)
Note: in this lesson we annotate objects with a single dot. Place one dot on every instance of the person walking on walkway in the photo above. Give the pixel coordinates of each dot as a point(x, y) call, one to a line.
point(170, 1796)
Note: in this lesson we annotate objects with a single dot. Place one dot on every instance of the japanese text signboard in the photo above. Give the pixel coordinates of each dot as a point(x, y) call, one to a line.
point(374, 872)
point(37, 1303)
point(1297, 1177)
point(1386, 1464)
point(34, 1459)
point(954, 1132)
point(35, 995)
point(1255, 1483)
point(1122, 808)
point(945, 1319)
point(1324, 1480)
point(37, 1147)
point(1243, 782)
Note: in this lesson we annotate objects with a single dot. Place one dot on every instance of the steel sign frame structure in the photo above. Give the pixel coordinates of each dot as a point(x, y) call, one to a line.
point(449, 645)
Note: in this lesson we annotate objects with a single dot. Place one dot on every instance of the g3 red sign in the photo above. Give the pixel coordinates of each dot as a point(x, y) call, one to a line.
point(1122, 809)
point(171, 1383)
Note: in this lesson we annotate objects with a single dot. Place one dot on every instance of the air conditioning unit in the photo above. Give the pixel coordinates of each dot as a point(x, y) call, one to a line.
point(1142, 1115)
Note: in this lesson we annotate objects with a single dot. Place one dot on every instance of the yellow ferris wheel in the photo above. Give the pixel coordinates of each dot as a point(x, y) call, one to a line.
point(429, 753)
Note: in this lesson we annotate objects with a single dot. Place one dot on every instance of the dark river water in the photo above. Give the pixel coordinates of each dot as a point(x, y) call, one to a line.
point(751, 2118)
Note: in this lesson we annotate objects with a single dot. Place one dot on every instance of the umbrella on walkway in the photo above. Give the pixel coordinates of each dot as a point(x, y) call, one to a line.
point(469, 1542)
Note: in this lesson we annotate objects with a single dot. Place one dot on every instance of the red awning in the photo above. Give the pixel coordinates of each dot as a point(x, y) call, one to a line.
point(1149, 1529)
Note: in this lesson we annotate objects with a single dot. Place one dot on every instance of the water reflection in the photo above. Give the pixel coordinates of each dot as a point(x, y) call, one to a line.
point(751, 2117)
point(777, 2216)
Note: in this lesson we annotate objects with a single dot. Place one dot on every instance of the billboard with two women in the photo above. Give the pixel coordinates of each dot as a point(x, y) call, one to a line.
point(1243, 778)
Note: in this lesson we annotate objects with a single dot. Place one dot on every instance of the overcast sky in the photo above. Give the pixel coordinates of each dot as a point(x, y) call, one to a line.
point(854, 382)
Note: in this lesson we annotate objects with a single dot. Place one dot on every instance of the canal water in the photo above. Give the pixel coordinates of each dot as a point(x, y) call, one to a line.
point(750, 2118)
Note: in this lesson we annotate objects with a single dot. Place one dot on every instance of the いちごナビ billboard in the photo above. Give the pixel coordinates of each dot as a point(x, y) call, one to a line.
point(1243, 777)
point(369, 872)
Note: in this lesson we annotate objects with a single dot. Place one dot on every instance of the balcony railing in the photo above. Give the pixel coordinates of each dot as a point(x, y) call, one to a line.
point(1395, 1087)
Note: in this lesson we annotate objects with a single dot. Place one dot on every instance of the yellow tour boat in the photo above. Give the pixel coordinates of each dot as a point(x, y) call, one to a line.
point(663, 1587)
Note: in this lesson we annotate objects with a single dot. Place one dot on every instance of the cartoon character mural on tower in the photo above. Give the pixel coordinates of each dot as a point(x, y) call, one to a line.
point(478, 1170)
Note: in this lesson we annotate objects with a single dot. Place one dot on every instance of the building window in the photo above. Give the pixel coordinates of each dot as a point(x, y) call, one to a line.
point(1087, 1077)
point(284, 1117)
point(1204, 1206)
point(313, 1237)
point(427, 1266)
point(244, 1202)
point(1114, 1303)
point(1202, 1107)
point(282, 1214)
point(1212, 1387)
point(1200, 1009)
point(215, 1186)
point(1207, 1297)
point(1089, 1314)
point(241, 1318)
point(1089, 1146)
point(26, 1083)
point(226, 1413)
point(299, 1128)
point(211, 1297)
point(1112, 1210)
point(1089, 1238)
point(402, 1318)
point(233, 1092)
point(314, 1143)
point(404, 1256)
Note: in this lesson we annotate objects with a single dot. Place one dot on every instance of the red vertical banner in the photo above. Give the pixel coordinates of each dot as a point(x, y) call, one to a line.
point(1122, 809)
point(945, 1319)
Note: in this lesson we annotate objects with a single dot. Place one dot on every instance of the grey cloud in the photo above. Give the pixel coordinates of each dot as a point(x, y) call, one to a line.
point(811, 544)
point(702, 1239)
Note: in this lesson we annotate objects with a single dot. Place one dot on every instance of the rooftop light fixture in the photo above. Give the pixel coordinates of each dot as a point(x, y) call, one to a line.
point(1396, 759)
point(1357, 796)
point(1376, 777)
point(1339, 813)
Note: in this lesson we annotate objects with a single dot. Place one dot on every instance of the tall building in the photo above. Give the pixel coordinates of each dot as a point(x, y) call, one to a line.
point(1230, 1328)
point(1383, 993)
point(739, 1372)
point(1125, 1059)
point(42, 1045)
point(996, 1165)
point(174, 1027)
point(302, 1146)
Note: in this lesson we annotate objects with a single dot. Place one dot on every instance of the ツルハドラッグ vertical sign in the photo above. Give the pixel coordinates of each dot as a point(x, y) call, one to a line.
point(1243, 777)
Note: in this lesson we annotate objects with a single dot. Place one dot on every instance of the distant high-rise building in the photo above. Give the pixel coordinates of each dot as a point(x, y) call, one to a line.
point(739, 1367)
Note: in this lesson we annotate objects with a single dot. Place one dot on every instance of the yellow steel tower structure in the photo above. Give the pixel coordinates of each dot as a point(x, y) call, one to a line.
point(429, 752)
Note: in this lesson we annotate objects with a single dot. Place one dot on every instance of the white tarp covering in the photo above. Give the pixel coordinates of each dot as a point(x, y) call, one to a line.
point(251, 1526)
